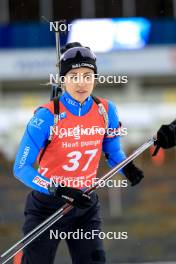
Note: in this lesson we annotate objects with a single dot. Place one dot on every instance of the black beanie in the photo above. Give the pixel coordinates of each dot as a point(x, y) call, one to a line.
point(76, 62)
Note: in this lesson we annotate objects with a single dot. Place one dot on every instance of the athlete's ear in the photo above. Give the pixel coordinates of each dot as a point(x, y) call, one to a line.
point(95, 79)
point(95, 82)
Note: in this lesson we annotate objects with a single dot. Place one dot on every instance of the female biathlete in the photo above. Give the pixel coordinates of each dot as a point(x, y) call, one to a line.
point(58, 137)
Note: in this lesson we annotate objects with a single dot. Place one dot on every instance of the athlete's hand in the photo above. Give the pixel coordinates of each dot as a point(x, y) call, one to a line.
point(166, 136)
point(133, 173)
point(72, 196)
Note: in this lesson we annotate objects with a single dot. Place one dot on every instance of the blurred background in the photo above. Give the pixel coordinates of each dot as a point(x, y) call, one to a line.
point(133, 38)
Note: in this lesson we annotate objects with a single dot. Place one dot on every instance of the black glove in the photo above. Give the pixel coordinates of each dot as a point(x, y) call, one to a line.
point(71, 196)
point(166, 136)
point(133, 174)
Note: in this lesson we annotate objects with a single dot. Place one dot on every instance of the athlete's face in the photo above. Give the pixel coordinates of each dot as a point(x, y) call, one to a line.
point(79, 83)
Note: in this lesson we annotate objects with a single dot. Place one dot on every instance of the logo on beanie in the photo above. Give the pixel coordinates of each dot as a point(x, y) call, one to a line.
point(83, 64)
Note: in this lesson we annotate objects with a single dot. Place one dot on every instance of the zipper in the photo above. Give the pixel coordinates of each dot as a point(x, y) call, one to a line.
point(80, 105)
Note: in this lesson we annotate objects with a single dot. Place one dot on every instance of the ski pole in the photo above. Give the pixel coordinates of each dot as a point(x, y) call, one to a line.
point(37, 231)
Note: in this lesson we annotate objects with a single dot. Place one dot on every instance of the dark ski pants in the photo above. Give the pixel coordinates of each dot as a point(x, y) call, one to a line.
point(43, 249)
